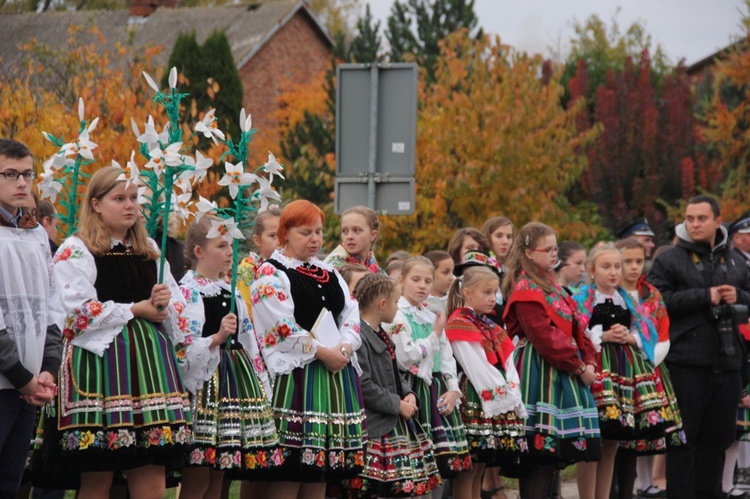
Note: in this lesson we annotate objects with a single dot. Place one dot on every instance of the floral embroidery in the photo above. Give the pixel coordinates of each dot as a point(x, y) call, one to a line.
point(68, 253)
point(280, 332)
point(81, 318)
point(580, 444)
point(267, 292)
point(119, 439)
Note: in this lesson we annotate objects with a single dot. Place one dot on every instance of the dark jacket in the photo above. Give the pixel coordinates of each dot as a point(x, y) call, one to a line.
point(379, 389)
point(684, 283)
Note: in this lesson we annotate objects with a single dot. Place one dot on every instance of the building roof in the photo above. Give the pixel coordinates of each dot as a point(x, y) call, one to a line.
point(699, 66)
point(248, 28)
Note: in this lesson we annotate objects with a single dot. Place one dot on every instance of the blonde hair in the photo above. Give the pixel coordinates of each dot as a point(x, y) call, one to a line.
point(91, 228)
point(470, 278)
point(517, 261)
point(196, 236)
point(413, 262)
point(598, 250)
point(371, 217)
point(371, 286)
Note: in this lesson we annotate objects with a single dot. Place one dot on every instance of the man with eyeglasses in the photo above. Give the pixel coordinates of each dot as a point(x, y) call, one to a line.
point(705, 287)
point(30, 343)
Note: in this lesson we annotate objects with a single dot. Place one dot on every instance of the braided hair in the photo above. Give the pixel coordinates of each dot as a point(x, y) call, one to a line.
point(373, 286)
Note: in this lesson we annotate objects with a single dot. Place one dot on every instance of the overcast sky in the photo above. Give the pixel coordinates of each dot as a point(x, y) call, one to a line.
point(689, 29)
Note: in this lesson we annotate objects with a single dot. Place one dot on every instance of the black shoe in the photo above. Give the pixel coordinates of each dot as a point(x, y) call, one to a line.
point(652, 492)
point(736, 493)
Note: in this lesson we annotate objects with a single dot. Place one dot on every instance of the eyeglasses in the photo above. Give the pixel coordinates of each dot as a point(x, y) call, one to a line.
point(551, 251)
point(13, 175)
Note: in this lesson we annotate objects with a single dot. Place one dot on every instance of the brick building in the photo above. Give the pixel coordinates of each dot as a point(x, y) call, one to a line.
point(273, 42)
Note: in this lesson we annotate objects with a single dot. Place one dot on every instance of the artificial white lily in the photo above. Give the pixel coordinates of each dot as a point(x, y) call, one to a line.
point(246, 122)
point(209, 127)
point(236, 177)
point(204, 207)
point(273, 167)
point(225, 228)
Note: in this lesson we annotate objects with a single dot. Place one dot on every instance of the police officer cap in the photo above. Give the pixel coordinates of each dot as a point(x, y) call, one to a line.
point(639, 227)
point(741, 225)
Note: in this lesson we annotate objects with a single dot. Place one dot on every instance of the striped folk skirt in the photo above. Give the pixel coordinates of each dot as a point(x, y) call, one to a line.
point(320, 420)
point(674, 435)
point(496, 441)
point(629, 395)
point(743, 422)
point(120, 411)
point(399, 464)
point(447, 433)
point(233, 425)
point(563, 425)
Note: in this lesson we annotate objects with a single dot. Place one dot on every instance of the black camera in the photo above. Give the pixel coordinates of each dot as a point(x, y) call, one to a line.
point(727, 318)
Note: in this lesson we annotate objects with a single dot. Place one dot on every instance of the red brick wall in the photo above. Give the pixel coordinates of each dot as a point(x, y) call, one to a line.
point(295, 53)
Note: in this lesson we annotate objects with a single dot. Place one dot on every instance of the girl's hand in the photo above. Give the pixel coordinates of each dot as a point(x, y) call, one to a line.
point(588, 376)
point(332, 358)
point(227, 328)
point(617, 334)
point(160, 296)
point(407, 409)
point(439, 326)
point(447, 402)
point(147, 310)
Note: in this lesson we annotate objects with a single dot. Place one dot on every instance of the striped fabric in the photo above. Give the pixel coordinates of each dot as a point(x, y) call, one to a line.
point(122, 410)
point(629, 395)
point(320, 422)
point(233, 425)
point(399, 464)
point(563, 425)
point(447, 433)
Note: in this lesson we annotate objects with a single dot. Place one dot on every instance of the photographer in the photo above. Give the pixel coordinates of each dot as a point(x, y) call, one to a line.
point(705, 286)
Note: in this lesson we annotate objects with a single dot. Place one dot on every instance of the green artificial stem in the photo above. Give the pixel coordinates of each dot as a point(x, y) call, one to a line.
point(72, 201)
point(168, 174)
point(233, 298)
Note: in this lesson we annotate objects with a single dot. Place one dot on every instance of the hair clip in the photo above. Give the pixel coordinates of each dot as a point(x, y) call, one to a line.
point(526, 241)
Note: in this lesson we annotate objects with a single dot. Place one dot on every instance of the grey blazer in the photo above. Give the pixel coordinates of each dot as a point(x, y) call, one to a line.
point(379, 389)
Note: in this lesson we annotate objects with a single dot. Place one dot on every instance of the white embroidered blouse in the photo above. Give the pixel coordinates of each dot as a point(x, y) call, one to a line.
point(286, 345)
point(92, 324)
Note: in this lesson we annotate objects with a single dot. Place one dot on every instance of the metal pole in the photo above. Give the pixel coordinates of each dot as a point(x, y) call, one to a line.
point(373, 157)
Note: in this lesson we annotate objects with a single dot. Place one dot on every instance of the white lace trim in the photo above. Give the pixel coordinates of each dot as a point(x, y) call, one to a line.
point(205, 286)
point(293, 263)
point(418, 313)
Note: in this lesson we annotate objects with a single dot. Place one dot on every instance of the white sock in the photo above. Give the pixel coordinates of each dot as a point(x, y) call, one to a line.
point(730, 459)
point(644, 468)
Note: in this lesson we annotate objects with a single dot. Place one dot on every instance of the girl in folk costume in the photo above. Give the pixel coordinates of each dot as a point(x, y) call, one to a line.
point(491, 408)
point(555, 359)
point(443, 263)
point(653, 307)
point(400, 460)
point(464, 240)
point(499, 233)
point(121, 404)
point(629, 395)
point(424, 354)
point(317, 397)
point(571, 265)
point(265, 229)
point(233, 425)
point(359, 230)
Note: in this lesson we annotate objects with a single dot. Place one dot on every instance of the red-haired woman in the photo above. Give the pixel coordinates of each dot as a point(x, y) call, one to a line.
point(317, 395)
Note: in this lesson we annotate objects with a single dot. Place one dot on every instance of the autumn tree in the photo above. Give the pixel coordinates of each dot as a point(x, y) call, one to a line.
point(725, 122)
point(42, 95)
point(492, 138)
point(416, 27)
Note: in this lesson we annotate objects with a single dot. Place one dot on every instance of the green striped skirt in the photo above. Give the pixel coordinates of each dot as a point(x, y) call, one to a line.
point(563, 426)
point(233, 425)
point(320, 420)
point(120, 411)
point(631, 401)
point(743, 422)
point(447, 433)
